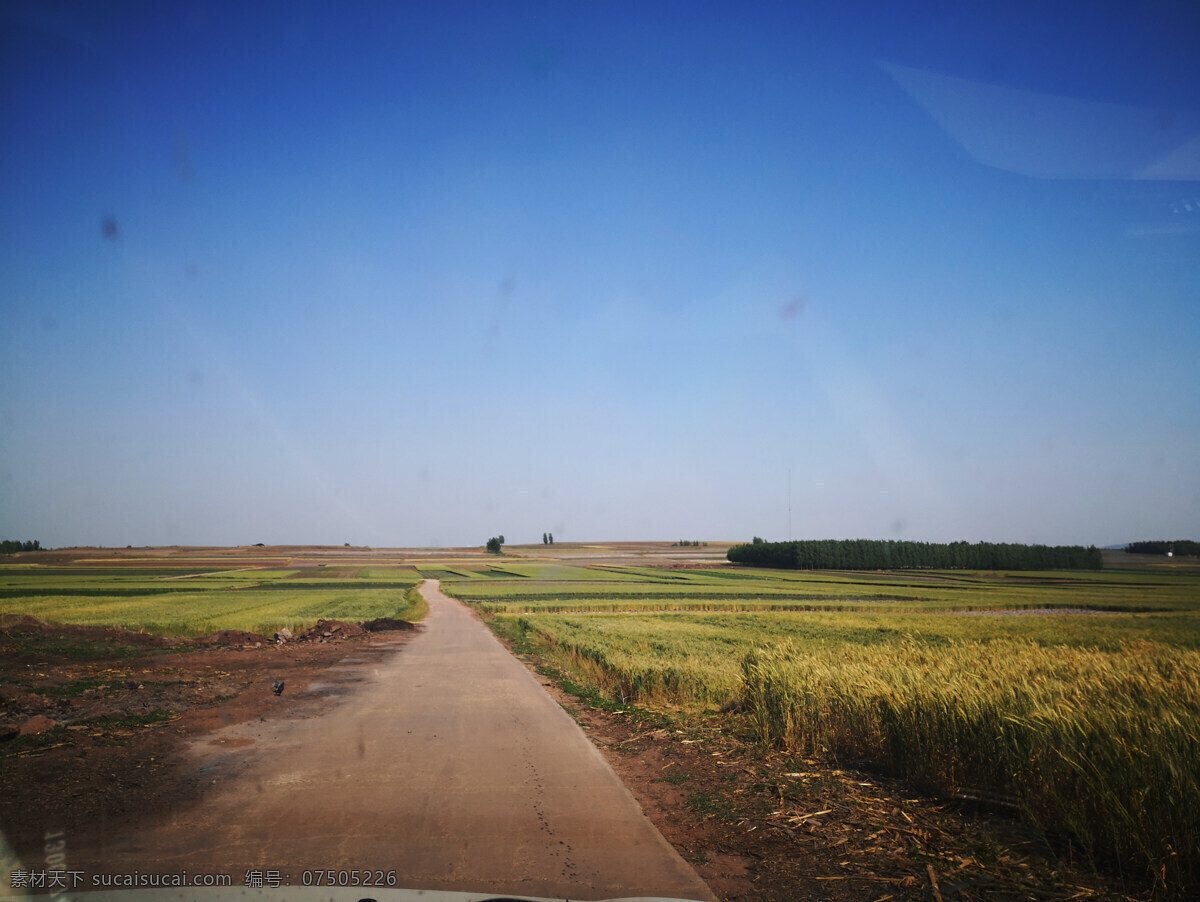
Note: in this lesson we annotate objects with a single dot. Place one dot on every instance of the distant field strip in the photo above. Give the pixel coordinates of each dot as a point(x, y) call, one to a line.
point(258, 601)
point(741, 590)
point(563, 573)
point(441, 574)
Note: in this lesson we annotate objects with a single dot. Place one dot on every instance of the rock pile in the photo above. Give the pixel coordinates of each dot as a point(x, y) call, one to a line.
point(327, 630)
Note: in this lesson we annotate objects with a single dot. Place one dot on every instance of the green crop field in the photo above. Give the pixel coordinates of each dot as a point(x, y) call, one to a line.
point(553, 588)
point(1072, 698)
point(189, 602)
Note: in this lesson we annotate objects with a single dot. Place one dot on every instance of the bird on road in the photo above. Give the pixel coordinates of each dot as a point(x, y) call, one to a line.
point(277, 687)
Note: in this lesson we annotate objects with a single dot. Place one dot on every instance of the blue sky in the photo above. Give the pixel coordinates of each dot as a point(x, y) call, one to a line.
point(399, 274)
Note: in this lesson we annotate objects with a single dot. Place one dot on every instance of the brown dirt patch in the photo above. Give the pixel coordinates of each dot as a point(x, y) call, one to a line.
point(124, 705)
point(18, 630)
point(386, 624)
point(233, 637)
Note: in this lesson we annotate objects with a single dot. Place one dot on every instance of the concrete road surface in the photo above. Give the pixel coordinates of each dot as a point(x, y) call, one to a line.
point(449, 765)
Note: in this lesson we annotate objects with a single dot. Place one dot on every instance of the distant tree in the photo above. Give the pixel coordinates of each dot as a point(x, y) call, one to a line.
point(1177, 546)
point(758, 540)
point(551, 538)
point(502, 540)
point(1148, 547)
point(863, 554)
point(493, 544)
point(545, 541)
point(11, 546)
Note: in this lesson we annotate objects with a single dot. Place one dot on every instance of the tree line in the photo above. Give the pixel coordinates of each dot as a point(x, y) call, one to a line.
point(11, 546)
point(872, 554)
point(1178, 546)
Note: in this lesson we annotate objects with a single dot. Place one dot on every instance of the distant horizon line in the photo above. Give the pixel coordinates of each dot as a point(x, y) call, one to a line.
point(576, 542)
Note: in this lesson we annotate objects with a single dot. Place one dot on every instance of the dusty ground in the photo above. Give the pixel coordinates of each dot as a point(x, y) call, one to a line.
point(123, 705)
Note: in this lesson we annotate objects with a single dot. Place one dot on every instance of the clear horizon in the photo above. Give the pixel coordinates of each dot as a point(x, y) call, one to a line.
point(416, 275)
point(479, 546)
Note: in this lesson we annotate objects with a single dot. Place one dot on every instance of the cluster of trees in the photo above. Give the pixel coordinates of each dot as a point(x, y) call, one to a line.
point(494, 543)
point(547, 538)
point(870, 554)
point(1179, 546)
point(694, 543)
point(11, 546)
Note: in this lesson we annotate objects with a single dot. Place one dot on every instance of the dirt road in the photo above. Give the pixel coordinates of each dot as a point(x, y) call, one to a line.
point(448, 765)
